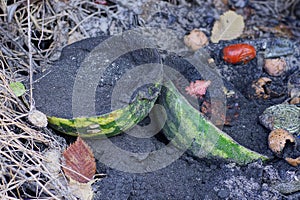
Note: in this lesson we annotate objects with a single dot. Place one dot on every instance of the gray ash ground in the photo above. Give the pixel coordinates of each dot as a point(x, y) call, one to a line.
point(191, 177)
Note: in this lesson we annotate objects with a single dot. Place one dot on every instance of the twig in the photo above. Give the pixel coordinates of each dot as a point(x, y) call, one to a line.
point(30, 57)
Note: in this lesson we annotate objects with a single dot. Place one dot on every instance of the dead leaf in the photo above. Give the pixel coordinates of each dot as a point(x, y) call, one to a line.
point(230, 26)
point(80, 163)
point(220, 118)
point(259, 89)
point(82, 190)
point(293, 161)
point(295, 100)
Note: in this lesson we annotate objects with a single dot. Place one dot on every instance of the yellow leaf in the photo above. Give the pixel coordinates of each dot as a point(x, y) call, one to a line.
point(230, 26)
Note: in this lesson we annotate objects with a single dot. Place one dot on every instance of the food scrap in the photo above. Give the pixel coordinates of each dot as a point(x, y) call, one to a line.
point(278, 138)
point(284, 116)
point(198, 88)
point(196, 40)
point(275, 67)
point(239, 53)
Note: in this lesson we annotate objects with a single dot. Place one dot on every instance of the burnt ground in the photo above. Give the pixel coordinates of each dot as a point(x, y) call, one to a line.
point(188, 177)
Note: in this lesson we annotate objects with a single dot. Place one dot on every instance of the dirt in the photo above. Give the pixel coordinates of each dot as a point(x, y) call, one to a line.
point(188, 177)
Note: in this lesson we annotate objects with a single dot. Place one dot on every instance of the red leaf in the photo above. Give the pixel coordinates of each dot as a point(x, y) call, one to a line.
point(197, 88)
point(79, 158)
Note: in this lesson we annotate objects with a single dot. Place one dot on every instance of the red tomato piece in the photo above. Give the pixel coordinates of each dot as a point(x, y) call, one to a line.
point(239, 53)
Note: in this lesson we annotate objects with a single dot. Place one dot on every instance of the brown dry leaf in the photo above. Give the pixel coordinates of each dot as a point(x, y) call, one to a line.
point(295, 100)
point(277, 139)
point(293, 161)
point(79, 158)
point(230, 26)
point(259, 88)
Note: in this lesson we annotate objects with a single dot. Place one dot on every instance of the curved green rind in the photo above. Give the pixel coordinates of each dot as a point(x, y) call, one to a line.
point(186, 127)
point(109, 124)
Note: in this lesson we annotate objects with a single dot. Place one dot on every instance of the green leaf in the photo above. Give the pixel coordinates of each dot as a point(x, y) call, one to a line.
point(17, 88)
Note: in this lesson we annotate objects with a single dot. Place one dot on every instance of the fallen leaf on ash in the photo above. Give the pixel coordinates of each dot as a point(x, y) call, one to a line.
point(259, 89)
point(293, 161)
point(198, 88)
point(82, 190)
point(230, 26)
point(17, 88)
point(80, 163)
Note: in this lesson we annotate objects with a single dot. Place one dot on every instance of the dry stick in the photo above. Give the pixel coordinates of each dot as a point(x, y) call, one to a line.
point(83, 20)
point(43, 22)
point(30, 56)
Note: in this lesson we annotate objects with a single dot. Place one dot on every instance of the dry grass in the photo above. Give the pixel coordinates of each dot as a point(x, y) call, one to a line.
point(278, 7)
point(24, 166)
point(22, 169)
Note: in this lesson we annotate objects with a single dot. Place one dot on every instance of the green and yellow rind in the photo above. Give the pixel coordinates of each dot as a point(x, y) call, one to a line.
point(187, 126)
point(109, 124)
